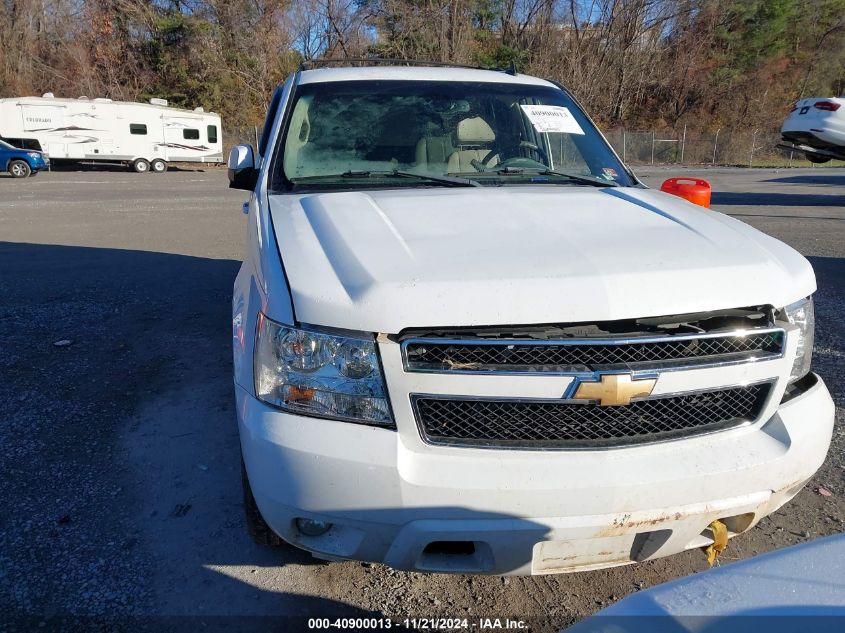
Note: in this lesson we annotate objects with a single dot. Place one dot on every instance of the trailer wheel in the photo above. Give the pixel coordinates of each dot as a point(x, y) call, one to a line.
point(815, 158)
point(141, 166)
point(158, 166)
point(19, 169)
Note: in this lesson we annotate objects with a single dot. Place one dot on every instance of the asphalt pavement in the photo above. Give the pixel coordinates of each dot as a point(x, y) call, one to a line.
point(119, 461)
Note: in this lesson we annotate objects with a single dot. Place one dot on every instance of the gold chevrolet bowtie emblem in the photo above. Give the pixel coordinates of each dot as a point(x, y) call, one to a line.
point(613, 390)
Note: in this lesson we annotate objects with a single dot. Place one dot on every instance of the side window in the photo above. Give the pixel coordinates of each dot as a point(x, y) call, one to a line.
point(25, 143)
point(268, 122)
point(137, 128)
point(212, 133)
point(191, 134)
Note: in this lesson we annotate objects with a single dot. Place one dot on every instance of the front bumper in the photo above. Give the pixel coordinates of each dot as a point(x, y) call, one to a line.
point(522, 512)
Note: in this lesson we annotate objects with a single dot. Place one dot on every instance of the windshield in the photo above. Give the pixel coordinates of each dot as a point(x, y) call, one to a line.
point(4, 145)
point(366, 133)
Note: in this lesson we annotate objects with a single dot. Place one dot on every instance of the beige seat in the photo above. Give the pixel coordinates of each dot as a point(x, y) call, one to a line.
point(434, 151)
point(473, 138)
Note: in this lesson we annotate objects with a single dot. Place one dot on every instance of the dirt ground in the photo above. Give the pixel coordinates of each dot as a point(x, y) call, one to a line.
point(119, 462)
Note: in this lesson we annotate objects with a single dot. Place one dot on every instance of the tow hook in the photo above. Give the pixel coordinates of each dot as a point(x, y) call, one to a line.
point(720, 541)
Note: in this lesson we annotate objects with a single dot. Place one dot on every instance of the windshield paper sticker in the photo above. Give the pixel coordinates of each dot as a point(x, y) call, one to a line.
point(552, 119)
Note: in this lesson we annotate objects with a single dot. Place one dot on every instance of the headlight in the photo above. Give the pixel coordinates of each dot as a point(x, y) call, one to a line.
point(320, 374)
point(801, 313)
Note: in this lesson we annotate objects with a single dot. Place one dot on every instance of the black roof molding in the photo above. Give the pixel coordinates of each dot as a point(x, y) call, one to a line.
point(311, 64)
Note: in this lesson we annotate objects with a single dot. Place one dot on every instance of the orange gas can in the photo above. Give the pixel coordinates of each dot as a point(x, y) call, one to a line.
point(696, 190)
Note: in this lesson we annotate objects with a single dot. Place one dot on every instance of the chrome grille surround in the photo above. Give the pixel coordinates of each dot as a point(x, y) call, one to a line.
point(572, 424)
point(578, 355)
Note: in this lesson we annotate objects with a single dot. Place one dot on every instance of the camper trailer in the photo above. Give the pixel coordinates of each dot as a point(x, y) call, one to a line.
point(145, 136)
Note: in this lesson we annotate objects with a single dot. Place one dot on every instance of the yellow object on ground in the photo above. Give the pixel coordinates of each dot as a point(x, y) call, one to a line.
point(720, 541)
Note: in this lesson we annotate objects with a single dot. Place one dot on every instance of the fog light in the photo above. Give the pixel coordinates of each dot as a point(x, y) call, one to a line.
point(312, 527)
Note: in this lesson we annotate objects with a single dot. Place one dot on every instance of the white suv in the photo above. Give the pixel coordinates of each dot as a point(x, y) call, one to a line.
point(467, 339)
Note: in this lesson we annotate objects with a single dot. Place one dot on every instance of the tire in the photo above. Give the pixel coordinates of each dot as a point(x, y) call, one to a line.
point(260, 532)
point(818, 160)
point(19, 169)
point(140, 166)
point(158, 166)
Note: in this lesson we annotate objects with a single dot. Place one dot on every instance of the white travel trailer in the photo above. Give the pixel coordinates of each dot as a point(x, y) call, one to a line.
point(145, 136)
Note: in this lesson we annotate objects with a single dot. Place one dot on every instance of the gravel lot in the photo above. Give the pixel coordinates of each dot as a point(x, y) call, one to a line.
point(119, 463)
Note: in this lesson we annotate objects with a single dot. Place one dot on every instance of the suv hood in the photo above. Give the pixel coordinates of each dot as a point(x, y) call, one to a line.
point(382, 261)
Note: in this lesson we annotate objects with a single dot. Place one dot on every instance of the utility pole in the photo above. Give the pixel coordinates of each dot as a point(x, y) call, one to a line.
point(753, 143)
point(652, 147)
point(716, 144)
point(624, 139)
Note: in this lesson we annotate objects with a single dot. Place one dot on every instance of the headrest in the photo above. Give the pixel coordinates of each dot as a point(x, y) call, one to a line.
point(475, 130)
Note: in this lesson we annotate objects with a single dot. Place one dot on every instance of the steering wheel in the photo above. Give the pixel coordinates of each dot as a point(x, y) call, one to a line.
point(535, 148)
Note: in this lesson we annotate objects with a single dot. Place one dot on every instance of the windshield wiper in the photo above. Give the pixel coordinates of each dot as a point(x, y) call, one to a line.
point(446, 180)
point(449, 181)
point(587, 180)
point(579, 178)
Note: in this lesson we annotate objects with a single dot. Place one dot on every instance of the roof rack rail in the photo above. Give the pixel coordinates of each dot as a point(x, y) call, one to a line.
point(311, 64)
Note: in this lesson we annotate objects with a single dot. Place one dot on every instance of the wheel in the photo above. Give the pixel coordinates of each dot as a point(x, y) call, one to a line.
point(260, 532)
point(813, 158)
point(140, 165)
point(158, 166)
point(19, 169)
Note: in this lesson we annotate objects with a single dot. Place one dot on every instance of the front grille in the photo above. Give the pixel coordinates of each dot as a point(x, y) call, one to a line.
point(588, 354)
point(564, 424)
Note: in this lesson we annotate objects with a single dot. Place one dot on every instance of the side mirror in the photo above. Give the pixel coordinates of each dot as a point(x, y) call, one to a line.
point(696, 190)
point(242, 171)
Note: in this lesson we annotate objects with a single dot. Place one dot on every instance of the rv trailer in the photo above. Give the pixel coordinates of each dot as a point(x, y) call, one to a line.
point(145, 136)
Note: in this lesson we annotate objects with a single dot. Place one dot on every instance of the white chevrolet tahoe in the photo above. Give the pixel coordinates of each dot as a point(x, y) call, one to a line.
point(467, 339)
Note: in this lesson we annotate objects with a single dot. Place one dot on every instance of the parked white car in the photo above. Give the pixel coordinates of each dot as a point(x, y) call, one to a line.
point(467, 339)
point(816, 126)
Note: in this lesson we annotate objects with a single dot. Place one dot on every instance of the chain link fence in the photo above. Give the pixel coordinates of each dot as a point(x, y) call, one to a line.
point(247, 134)
point(746, 147)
